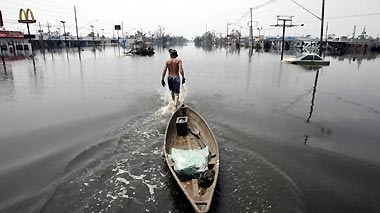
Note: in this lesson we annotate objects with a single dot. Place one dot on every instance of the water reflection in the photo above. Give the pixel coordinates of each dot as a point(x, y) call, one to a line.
point(306, 139)
point(44, 54)
point(250, 54)
point(93, 49)
point(280, 75)
point(311, 67)
point(6, 72)
point(207, 48)
point(7, 90)
point(313, 96)
point(249, 70)
point(67, 55)
point(354, 56)
point(34, 64)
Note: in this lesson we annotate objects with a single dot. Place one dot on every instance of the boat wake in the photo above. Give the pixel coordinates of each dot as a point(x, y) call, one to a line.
point(169, 107)
point(123, 173)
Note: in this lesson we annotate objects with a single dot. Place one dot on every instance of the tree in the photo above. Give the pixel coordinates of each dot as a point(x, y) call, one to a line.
point(160, 32)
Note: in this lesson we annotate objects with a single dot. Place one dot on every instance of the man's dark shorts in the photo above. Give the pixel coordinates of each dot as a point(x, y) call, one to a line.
point(174, 83)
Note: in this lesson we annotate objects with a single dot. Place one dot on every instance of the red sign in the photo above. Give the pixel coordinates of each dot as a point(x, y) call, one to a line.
point(11, 34)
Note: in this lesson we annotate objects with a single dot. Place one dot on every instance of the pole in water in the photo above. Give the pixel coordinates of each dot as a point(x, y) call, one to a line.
point(283, 40)
point(2, 58)
point(322, 20)
point(284, 19)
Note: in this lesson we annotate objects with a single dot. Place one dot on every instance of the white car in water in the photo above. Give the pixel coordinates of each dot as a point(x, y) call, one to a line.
point(308, 59)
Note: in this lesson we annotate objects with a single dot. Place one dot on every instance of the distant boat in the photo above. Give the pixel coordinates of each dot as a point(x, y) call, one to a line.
point(193, 133)
point(307, 59)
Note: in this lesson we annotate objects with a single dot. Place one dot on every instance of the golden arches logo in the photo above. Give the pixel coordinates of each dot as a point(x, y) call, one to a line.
point(26, 15)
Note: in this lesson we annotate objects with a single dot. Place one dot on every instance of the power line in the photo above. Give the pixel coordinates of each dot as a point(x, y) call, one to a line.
point(247, 13)
point(35, 12)
point(61, 7)
point(351, 16)
point(347, 16)
point(264, 4)
point(305, 9)
point(43, 8)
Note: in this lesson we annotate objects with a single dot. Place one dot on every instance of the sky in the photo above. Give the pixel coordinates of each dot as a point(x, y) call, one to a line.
point(194, 17)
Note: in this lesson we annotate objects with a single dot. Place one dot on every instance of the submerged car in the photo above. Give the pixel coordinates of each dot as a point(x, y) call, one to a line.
point(309, 59)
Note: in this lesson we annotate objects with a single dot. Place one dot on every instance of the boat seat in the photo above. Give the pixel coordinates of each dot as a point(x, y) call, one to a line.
point(212, 161)
point(194, 182)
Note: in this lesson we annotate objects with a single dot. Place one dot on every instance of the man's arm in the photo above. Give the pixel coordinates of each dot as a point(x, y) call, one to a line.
point(163, 75)
point(164, 71)
point(181, 69)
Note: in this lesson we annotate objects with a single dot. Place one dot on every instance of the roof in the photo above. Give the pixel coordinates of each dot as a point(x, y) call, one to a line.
point(280, 39)
point(11, 34)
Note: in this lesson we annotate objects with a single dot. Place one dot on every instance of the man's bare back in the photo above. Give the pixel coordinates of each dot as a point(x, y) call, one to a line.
point(173, 66)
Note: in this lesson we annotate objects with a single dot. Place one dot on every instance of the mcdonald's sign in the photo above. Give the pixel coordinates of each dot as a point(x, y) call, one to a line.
point(26, 17)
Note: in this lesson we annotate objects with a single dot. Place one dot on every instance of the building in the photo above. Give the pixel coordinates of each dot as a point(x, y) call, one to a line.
point(14, 44)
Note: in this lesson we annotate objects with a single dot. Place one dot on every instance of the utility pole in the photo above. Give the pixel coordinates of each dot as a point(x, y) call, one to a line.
point(250, 29)
point(322, 20)
point(93, 35)
point(259, 29)
point(64, 31)
point(122, 34)
point(103, 37)
point(227, 35)
point(41, 36)
point(76, 26)
point(30, 40)
point(51, 44)
point(122, 29)
point(327, 28)
point(1, 46)
point(284, 19)
point(2, 59)
point(353, 33)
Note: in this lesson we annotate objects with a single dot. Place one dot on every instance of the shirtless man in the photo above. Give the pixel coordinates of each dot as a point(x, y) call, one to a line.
point(175, 67)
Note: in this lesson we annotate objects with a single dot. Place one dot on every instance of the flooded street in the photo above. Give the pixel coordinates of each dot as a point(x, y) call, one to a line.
point(87, 135)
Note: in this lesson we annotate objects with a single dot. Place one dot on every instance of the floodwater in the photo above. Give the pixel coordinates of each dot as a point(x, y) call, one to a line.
point(87, 135)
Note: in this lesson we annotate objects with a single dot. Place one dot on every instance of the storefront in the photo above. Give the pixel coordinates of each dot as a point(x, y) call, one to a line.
point(14, 44)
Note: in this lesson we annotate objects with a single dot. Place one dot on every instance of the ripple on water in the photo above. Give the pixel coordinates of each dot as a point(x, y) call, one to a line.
point(133, 177)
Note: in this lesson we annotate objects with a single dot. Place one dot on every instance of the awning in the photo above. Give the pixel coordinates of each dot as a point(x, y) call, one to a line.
point(11, 34)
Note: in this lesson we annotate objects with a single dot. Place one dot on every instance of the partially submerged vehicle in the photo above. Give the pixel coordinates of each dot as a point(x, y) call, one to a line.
point(307, 59)
point(192, 155)
point(141, 48)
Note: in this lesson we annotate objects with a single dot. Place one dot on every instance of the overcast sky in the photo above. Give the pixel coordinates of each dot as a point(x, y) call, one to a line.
point(193, 17)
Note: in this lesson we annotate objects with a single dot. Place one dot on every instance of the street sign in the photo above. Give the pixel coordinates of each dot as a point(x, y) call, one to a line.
point(30, 36)
point(117, 27)
point(1, 20)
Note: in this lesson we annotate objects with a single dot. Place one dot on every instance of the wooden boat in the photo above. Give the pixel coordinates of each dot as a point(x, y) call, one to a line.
point(199, 196)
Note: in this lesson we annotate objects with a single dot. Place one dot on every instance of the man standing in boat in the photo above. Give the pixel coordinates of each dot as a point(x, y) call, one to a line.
point(174, 65)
